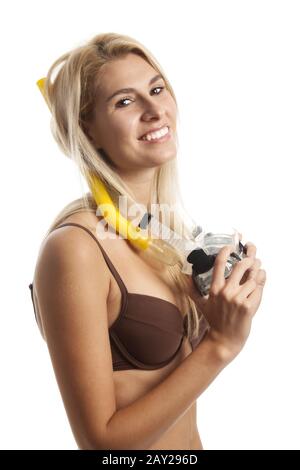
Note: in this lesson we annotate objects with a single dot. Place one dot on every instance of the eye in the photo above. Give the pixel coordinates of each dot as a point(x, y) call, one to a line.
point(121, 101)
point(119, 104)
point(158, 87)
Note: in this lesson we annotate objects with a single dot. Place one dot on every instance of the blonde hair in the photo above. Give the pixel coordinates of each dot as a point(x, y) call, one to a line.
point(71, 96)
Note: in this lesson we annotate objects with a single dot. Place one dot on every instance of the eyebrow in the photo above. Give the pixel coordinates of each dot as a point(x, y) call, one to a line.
point(128, 90)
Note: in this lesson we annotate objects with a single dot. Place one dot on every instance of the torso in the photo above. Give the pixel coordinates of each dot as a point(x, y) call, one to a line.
point(134, 383)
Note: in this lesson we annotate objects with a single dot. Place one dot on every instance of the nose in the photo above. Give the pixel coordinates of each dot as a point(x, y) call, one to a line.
point(152, 110)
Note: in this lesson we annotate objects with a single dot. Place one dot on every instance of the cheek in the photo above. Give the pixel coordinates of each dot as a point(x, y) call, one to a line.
point(172, 108)
point(123, 126)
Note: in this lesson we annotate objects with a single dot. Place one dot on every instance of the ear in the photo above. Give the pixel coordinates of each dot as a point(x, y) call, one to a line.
point(88, 130)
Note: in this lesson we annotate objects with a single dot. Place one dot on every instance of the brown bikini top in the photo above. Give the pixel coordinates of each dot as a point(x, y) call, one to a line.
point(149, 331)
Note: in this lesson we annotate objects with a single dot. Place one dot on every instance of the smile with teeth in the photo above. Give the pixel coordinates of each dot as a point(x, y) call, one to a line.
point(156, 135)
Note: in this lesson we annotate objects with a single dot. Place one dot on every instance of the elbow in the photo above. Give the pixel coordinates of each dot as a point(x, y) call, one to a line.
point(93, 444)
point(93, 440)
point(110, 437)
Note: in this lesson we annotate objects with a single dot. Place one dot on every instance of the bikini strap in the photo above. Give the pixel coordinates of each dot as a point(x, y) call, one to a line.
point(31, 291)
point(108, 261)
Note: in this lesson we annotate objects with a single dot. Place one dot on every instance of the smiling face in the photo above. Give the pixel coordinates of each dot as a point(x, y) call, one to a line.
point(120, 120)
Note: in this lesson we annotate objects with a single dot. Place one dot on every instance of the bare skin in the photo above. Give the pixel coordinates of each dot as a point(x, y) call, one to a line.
point(132, 384)
point(78, 298)
point(129, 387)
point(118, 124)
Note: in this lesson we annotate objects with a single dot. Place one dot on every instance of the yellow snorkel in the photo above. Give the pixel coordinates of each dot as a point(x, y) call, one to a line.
point(160, 249)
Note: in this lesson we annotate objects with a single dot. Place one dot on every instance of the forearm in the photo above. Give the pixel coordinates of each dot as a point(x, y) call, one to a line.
point(143, 422)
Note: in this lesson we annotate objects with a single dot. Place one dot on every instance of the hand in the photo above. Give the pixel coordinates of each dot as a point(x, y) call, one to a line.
point(253, 272)
point(230, 305)
point(193, 292)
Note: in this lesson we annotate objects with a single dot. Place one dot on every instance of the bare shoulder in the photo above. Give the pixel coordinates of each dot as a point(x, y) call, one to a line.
point(72, 283)
point(70, 249)
point(86, 218)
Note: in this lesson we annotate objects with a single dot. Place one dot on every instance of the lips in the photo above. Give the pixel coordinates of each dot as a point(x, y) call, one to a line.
point(153, 130)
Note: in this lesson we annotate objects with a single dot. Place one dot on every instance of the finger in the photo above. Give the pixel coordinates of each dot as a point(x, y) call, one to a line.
point(254, 299)
point(254, 270)
point(251, 272)
point(248, 287)
point(261, 278)
point(250, 249)
point(218, 275)
point(238, 271)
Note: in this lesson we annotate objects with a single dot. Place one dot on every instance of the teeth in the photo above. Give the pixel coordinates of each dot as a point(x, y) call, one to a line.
point(156, 135)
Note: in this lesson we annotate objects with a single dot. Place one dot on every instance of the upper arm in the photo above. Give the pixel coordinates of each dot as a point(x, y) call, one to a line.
point(72, 284)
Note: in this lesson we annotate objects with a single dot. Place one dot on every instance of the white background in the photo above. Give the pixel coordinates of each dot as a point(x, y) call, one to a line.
point(234, 66)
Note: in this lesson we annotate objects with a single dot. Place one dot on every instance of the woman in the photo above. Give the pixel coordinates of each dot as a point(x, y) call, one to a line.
point(131, 383)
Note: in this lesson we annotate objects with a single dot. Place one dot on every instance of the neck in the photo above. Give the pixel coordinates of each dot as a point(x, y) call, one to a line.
point(140, 184)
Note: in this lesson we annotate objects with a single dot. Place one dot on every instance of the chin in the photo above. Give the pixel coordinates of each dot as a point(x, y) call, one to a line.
point(168, 157)
point(161, 160)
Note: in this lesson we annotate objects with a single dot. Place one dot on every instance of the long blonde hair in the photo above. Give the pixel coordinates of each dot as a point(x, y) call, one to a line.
point(71, 97)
